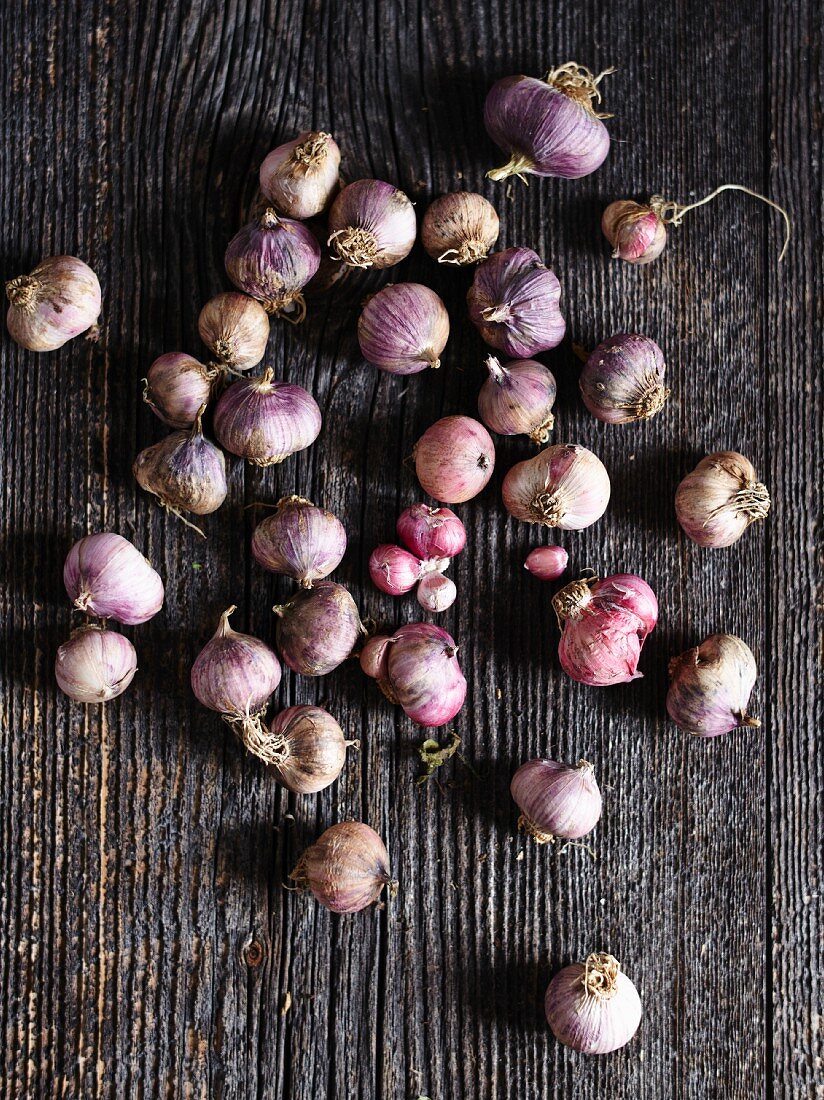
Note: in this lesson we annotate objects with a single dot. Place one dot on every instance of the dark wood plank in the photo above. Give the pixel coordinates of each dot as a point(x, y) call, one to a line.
point(150, 942)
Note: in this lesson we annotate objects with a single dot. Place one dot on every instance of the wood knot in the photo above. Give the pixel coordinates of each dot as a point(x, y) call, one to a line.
point(254, 954)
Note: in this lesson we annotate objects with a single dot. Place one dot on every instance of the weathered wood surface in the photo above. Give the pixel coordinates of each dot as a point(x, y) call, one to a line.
point(147, 940)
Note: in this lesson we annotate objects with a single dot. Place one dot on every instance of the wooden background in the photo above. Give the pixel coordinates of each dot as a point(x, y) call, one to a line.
point(147, 940)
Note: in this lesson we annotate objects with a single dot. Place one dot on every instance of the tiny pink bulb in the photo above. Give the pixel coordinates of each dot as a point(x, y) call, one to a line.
point(547, 563)
point(636, 232)
point(394, 570)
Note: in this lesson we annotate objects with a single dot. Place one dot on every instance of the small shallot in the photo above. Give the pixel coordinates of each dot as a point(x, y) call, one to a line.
point(460, 228)
point(454, 459)
point(272, 259)
point(592, 1006)
point(105, 575)
point(403, 329)
point(300, 177)
point(394, 570)
point(431, 532)
point(417, 668)
point(718, 501)
point(549, 127)
point(177, 387)
point(604, 625)
point(346, 869)
point(95, 665)
point(547, 563)
point(517, 399)
point(300, 540)
point(235, 329)
point(265, 421)
point(371, 224)
point(711, 686)
point(318, 628)
point(56, 302)
point(623, 379)
point(306, 748)
point(556, 800)
point(513, 301)
point(564, 486)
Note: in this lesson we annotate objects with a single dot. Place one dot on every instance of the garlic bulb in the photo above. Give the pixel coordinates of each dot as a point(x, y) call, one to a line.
point(346, 869)
point(300, 177)
point(717, 502)
point(105, 575)
point(301, 540)
point(623, 379)
point(592, 1006)
point(564, 486)
point(177, 387)
point(185, 471)
point(459, 228)
point(517, 399)
point(513, 302)
point(711, 686)
point(95, 665)
point(56, 302)
point(306, 749)
point(235, 329)
point(556, 800)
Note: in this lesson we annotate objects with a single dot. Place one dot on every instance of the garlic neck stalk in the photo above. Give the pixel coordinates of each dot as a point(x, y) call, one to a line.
point(600, 978)
point(672, 213)
point(579, 83)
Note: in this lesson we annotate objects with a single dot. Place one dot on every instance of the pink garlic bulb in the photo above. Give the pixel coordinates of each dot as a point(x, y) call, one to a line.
point(564, 486)
point(59, 300)
point(403, 328)
point(593, 1007)
point(300, 540)
point(711, 686)
point(547, 563)
point(95, 665)
point(272, 259)
point(517, 399)
point(513, 302)
point(604, 626)
point(417, 669)
point(177, 387)
point(264, 420)
point(454, 459)
point(105, 575)
point(635, 231)
point(394, 570)
point(718, 501)
point(431, 532)
point(371, 224)
point(556, 800)
point(346, 869)
point(306, 749)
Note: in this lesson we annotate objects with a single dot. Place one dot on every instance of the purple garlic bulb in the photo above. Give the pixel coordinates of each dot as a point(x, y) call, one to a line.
point(417, 668)
point(513, 301)
point(403, 328)
point(272, 259)
point(711, 686)
point(318, 628)
point(300, 540)
point(623, 379)
point(95, 665)
point(106, 576)
point(371, 224)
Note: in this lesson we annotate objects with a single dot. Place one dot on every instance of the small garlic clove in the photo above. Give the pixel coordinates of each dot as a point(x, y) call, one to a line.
point(436, 592)
point(547, 563)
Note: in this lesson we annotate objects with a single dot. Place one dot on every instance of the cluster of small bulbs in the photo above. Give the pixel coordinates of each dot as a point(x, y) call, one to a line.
point(312, 230)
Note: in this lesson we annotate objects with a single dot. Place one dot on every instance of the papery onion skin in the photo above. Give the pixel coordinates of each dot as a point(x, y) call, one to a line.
point(308, 749)
point(105, 575)
point(711, 687)
point(185, 471)
point(547, 563)
point(300, 177)
point(331, 271)
point(436, 592)
point(59, 300)
point(592, 1006)
point(272, 259)
point(265, 421)
point(235, 674)
point(623, 379)
point(605, 623)
point(403, 329)
point(418, 670)
point(300, 540)
point(460, 228)
point(394, 570)
point(346, 869)
point(431, 532)
point(454, 459)
point(95, 665)
point(548, 127)
point(517, 399)
point(556, 800)
point(371, 224)
point(513, 301)
point(564, 486)
point(318, 628)
point(636, 232)
point(718, 501)
point(177, 387)
point(235, 329)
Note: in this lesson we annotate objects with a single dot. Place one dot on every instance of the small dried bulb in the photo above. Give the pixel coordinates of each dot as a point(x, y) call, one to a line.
point(235, 329)
point(95, 665)
point(105, 575)
point(403, 329)
point(513, 302)
point(272, 259)
point(394, 570)
point(431, 532)
point(436, 592)
point(306, 749)
point(417, 669)
point(236, 675)
point(177, 387)
point(346, 869)
point(635, 231)
point(454, 459)
point(717, 502)
point(300, 540)
point(711, 686)
point(460, 228)
point(592, 1006)
point(517, 399)
point(547, 563)
point(623, 379)
point(300, 177)
point(371, 224)
point(564, 486)
point(56, 302)
point(265, 421)
point(318, 628)
point(185, 471)
point(556, 800)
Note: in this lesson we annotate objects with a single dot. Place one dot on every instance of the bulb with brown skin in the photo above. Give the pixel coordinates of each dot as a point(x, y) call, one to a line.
point(635, 231)
point(718, 501)
point(711, 685)
point(460, 228)
point(306, 749)
point(57, 301)
point(346, 869)
point(235, 329)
